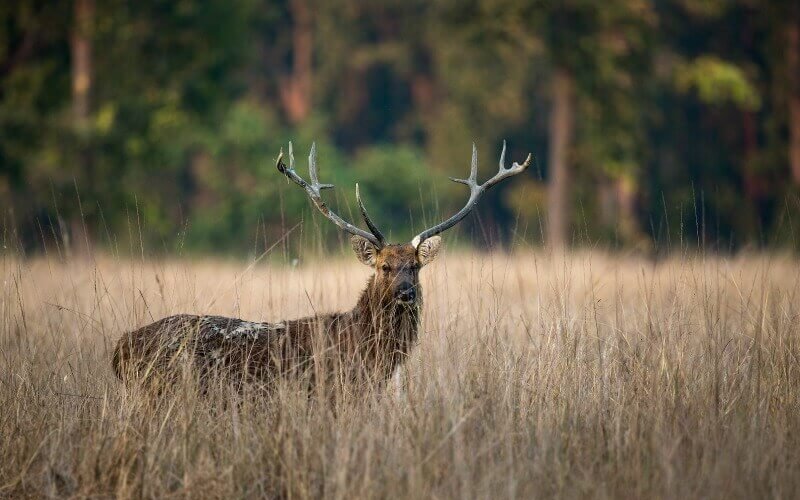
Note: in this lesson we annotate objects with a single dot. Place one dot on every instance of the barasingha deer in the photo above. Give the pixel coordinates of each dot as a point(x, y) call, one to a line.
point(366, 343)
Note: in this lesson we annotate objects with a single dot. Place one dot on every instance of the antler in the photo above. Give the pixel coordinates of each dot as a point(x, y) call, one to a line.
point(314, 191)
point(475, 191)
point(372, 227)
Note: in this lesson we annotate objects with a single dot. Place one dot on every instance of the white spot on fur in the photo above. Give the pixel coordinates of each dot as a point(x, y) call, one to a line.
point(251, 330)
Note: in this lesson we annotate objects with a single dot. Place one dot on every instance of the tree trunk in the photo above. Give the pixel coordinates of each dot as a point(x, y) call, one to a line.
point(81, 46)
point(296, 89)
point(81, 52)
point(752, 183)
point(632, 236)
point(793, 68)
point(561, 124)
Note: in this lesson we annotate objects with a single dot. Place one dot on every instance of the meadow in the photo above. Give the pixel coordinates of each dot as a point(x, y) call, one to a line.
point(536, 376)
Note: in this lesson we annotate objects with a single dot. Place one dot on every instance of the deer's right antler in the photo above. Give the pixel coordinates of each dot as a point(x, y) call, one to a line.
point(314, 191)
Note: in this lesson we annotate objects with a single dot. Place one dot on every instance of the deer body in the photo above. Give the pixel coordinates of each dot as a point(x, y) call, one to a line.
point(260, 352)
point(364, 344)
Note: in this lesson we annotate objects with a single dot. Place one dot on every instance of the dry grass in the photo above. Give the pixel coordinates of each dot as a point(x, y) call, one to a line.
point(590, 376)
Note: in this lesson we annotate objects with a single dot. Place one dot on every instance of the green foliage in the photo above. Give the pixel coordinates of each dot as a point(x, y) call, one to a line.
point(398, 181)
point(717, 82)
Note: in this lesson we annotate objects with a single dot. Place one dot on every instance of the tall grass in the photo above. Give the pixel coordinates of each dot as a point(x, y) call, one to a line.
point(535, 376)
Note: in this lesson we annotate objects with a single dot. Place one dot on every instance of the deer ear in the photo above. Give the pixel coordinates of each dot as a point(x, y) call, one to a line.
point(427, 250)
point(365, 251)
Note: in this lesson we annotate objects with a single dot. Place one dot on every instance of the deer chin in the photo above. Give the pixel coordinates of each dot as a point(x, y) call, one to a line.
point(405, 302)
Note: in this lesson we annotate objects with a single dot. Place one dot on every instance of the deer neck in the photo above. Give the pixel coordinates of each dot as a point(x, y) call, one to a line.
point(381, 314)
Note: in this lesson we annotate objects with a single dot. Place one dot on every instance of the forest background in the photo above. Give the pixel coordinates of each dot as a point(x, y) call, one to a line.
point(155, 124)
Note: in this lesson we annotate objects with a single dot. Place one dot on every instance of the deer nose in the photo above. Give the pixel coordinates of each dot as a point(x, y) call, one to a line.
point(406, 292)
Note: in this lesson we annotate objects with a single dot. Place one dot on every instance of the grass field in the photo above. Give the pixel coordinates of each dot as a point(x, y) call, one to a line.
point(585, 376)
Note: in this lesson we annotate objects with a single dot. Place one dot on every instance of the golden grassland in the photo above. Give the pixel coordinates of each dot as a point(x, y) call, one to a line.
point(587, 375)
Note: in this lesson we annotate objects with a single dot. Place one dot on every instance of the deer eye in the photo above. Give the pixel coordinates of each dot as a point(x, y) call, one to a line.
point(386, 268)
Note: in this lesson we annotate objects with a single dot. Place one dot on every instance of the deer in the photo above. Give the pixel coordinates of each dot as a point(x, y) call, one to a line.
point(366, 343)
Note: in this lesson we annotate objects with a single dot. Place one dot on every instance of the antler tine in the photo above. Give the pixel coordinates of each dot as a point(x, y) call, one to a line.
point(312, 168)
point(372, 227)
point(475, 191)
point(473, 166)
point(314, 192)
point(472, 180)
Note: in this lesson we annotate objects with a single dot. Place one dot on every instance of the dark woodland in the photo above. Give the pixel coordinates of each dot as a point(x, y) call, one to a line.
point(153, 126)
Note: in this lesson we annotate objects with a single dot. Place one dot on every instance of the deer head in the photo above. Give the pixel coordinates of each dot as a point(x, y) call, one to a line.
point(396, 265)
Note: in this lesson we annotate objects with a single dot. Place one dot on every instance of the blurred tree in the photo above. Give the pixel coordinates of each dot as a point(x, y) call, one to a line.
point(588, 52)
point(793, 70)
point(721, 142)
point(81, 62)
point(34, 84)
point(562, 117)
point(296, 89)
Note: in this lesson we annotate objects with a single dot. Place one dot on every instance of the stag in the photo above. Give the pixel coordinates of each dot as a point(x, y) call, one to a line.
point(366, 343)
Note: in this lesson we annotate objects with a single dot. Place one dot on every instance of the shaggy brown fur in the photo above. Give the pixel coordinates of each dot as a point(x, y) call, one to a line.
point(365, 344)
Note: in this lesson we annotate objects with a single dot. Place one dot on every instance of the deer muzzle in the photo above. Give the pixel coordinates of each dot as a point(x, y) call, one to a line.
point(405, 293)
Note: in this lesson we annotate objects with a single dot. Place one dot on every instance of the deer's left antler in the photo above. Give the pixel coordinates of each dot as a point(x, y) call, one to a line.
point(475, 191)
